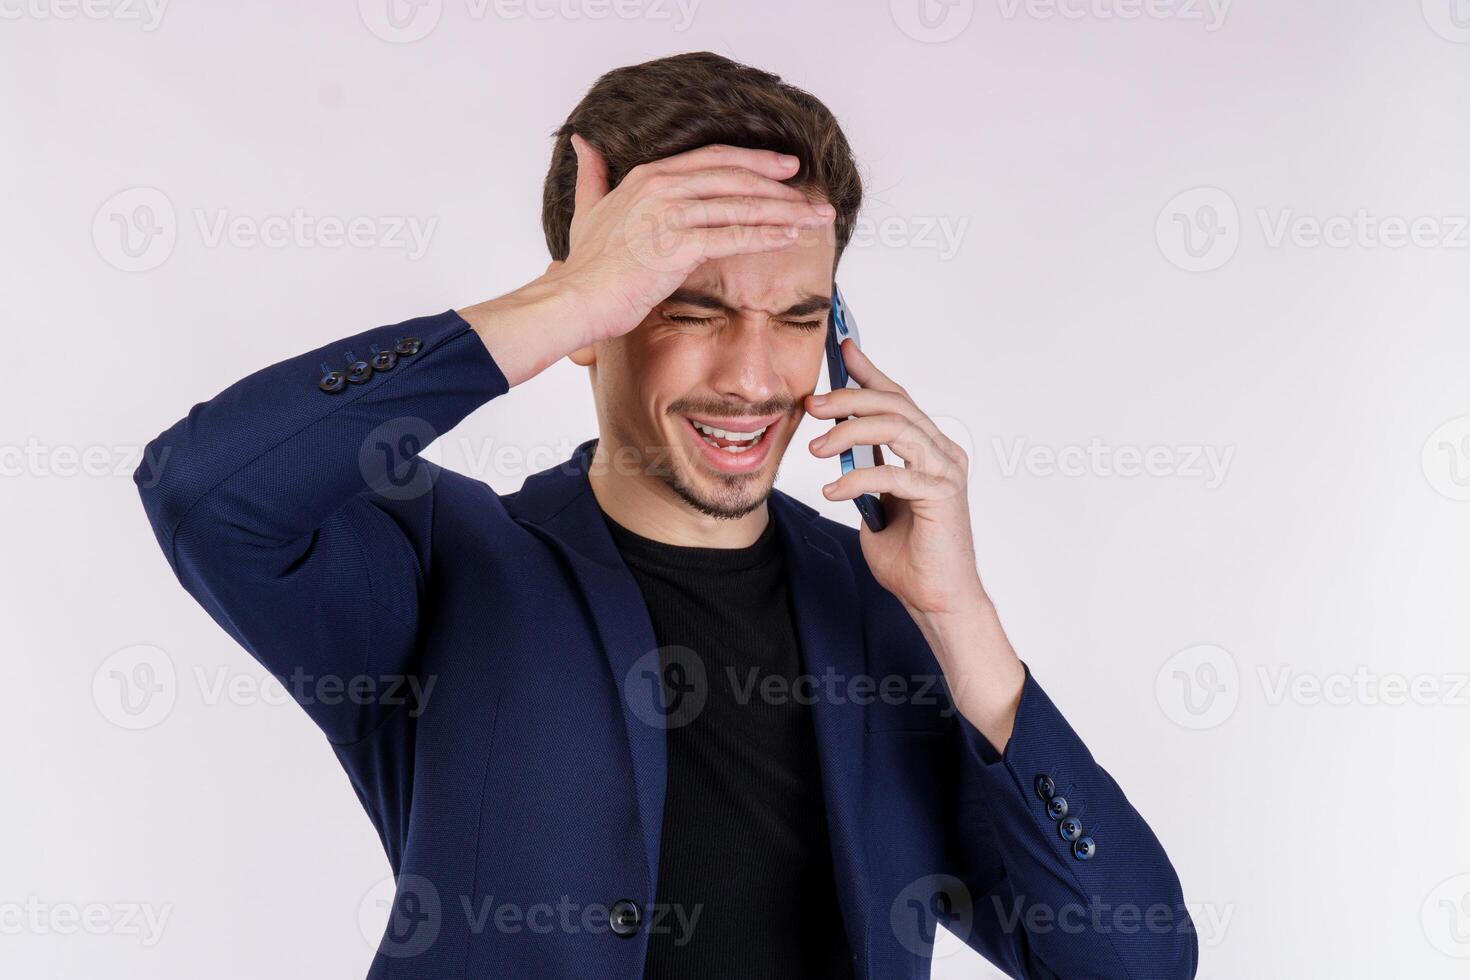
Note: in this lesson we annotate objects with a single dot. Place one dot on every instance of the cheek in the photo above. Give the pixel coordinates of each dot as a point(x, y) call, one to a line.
point(804, 362)
point(669, 369)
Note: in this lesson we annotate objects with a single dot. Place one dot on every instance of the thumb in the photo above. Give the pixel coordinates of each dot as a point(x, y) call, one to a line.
point(591, 176)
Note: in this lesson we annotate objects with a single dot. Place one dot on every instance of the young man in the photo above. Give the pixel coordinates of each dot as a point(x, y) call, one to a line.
point(666, 720)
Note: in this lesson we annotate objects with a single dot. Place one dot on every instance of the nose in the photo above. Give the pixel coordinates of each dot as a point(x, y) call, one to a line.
point(745, 367)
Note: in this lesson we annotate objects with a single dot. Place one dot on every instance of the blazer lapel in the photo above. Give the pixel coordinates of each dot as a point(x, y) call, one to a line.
point(824, 601)
point(560, 500)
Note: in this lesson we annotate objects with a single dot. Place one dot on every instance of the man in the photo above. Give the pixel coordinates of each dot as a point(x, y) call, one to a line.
point(666, 720)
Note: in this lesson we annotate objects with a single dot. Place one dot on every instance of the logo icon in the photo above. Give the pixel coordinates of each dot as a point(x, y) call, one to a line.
point(136, 687)
point(414, 916)
point(1446, 459)
point(1199, 687)
point(1199, 230)
point(135, 230)
point(932, 21)
point(393, 461)
point(1446, 917)
point(400, 21)
point(925, 905)
point(667, 688)
point(1450, 19)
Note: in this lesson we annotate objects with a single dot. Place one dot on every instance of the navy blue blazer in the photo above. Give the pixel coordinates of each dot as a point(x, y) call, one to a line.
point(477, 662)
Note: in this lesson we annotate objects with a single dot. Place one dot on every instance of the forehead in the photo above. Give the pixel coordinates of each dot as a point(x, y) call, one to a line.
point(769, 282)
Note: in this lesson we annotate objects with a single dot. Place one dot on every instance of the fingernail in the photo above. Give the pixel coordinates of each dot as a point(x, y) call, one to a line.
point(788, 161)
point(824, 209)
point(791, 232)
point(817, 442)
point(829, 489)
point(819, 400)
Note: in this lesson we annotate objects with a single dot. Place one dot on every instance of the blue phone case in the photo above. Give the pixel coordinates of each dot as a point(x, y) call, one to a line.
point(840, 326)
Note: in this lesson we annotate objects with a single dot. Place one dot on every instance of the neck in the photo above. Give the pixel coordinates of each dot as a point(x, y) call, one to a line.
point(646, 505)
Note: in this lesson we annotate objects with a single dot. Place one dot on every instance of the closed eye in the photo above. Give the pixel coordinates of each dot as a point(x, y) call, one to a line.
point(701, 320)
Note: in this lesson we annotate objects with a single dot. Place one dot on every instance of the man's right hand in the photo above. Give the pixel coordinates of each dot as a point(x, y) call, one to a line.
point(634, 245)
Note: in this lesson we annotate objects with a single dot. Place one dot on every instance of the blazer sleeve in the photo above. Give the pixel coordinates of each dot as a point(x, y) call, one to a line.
point(1062, 875)
point(294, 507)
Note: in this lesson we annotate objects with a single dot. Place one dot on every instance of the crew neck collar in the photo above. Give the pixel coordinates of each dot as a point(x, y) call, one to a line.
point(763, 549)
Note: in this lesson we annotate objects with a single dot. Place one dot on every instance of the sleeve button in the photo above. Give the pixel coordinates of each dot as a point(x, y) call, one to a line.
point(1070, 829)
point(359, 371)
point(1084, 849)
point(332, 382)
point(1045, 787)
point(1056, 807)
point(408, 346)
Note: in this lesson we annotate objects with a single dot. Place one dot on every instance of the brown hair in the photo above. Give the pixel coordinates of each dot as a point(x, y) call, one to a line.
point(639, 113)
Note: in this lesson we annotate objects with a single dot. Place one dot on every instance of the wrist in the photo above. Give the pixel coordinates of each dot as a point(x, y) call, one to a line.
point(529, 329)
point(965, 601)
point(981, 669)
point(960, 627)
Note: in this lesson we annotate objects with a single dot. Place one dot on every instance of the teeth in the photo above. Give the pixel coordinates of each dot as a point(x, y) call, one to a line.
point(750, 437)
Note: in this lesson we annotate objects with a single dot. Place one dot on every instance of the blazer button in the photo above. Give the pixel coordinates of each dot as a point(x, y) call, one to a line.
point(1045, 787)
point(1084, 849)
point(624, 918)
point(359, 371)
point(384, 360)
point(408, 346)
point(1056, 807)
point(1070, 829)
point(332, 382)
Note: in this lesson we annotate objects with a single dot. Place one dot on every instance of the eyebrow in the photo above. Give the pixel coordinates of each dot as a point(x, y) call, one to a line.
point(810, 303)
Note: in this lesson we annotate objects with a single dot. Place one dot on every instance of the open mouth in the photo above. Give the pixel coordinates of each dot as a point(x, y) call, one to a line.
point(728, 440)
point(733, 450)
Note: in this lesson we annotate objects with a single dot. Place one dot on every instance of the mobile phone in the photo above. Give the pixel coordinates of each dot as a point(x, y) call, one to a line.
point(841, 326)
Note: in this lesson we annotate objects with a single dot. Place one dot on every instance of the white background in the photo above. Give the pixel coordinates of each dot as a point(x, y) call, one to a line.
point(1022, 270)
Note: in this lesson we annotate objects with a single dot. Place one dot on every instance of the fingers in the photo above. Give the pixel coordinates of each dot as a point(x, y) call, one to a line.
point(745, 239)
point(591, 176)
point(864, 371)
point(728, 182)
point(882, 413)
point(769, 163)
point(915, 445)
point(898, 481)
point(843, 402)
point(749, 210)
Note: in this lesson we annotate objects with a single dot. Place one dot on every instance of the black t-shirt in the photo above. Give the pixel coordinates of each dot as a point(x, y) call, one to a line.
point(744, 845)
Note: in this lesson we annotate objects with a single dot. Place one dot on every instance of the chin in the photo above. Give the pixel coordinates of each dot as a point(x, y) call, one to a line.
point(727, 492)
